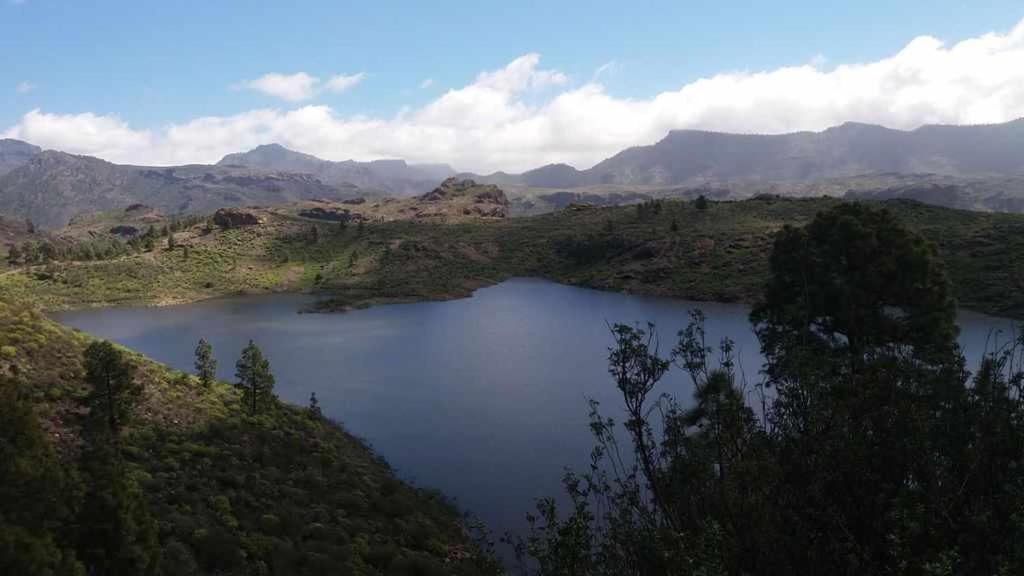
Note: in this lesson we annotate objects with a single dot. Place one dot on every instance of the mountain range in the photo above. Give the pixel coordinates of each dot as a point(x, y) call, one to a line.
point(393, 177)
point(50, 188)
point(852, 149)
point(977, 166)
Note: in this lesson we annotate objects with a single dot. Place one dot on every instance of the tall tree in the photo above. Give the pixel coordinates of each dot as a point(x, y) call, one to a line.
point(205, 363)
point(253, 373)
point(858, 329)
point(116, 534)
point(114, 390)
point(314, 405)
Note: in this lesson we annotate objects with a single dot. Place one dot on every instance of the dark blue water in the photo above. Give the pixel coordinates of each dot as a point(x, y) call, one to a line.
point(483, 398)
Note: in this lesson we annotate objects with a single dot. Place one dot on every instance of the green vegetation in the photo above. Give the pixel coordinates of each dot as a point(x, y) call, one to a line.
point(871, 450)
point(671, 248)
point(255, 378)
point(206, 364)
point(113, 464)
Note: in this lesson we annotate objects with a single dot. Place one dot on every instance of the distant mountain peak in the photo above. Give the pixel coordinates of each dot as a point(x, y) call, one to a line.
point(392, 175)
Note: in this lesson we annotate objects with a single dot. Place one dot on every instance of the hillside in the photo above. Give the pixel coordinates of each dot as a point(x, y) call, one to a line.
point(393, 177)
point(282, 492)
point(669, 248)
point(53, 187)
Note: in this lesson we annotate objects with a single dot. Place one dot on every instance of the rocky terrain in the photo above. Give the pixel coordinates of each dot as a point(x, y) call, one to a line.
point(452, 201)
point(14, 231)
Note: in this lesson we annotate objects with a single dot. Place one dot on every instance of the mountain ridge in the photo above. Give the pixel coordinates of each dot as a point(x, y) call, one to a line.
point(689, 156)
point(394, 176)
point(50, 187)
point(53, 187)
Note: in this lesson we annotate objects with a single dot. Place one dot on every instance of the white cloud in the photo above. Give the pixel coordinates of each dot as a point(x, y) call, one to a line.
point(301, 86)
point(24, 87)
point(290, 87)
point(108, 137)
point(341, 82)
point(427, 83)
point(522, 116)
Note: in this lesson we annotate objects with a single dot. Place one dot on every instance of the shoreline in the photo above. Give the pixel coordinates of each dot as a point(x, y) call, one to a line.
point(335, 302)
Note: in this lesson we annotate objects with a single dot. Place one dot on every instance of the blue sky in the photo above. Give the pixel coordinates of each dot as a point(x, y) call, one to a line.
point(155, 65)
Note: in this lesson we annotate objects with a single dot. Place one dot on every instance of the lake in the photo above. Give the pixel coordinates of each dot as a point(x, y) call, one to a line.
point(484, 398)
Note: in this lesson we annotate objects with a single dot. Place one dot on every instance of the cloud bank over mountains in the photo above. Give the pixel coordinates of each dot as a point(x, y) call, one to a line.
point(523, 115)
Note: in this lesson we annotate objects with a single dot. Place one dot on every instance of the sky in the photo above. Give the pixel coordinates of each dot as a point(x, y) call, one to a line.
point(484, 85)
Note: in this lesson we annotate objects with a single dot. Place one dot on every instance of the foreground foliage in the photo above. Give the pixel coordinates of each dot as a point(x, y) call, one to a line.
point(868, 448)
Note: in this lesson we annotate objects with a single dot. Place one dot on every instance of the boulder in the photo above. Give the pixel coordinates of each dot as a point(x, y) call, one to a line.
point(236, 218)
point(125, 230)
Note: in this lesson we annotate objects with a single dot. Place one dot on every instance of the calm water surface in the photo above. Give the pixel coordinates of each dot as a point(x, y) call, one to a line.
point(483, 398)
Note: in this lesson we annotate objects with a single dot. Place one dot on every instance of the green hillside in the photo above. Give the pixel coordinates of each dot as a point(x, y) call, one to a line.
point(670, 248)
point(282, 492)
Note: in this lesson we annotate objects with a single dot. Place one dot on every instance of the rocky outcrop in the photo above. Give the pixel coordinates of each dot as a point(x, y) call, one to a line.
point(236, 218)
point(125, 231)
point(466, 197)
point(330, 214)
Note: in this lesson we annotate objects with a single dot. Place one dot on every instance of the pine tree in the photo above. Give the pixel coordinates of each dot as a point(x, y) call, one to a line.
point(254, 376)
point(314, 405)
point(115, 391)
point(206, 364)
point(701, 203)
point(171, 242)
point(116, 533)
